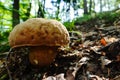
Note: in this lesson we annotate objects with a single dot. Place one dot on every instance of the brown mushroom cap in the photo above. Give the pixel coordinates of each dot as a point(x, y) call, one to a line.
point(37, 32)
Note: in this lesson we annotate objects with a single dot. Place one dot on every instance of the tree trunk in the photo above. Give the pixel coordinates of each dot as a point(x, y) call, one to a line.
point(100, 5)
point(93, 3)
point(90, 6)
point(44, 1)
point(58, 11)
point(108, 3)
point(15, 14)
point(40, 12)
point(85, 7)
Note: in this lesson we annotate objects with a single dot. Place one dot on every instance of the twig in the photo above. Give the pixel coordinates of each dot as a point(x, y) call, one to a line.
point(6, 66)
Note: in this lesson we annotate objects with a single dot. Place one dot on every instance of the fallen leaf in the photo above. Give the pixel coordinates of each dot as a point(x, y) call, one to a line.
point(103, 42)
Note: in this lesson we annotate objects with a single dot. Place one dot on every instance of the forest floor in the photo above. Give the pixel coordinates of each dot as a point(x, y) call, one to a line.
point(94, 54)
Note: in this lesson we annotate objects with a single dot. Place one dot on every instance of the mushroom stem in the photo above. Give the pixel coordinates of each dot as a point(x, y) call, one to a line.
point(42, 55)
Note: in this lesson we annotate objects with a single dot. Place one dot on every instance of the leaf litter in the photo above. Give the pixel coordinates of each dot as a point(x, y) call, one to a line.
point(93, 55)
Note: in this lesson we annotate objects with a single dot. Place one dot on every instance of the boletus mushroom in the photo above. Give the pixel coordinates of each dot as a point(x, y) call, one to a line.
point(44, 36)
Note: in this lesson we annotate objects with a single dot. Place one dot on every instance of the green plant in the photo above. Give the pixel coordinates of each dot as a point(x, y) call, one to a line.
point(69, 25)
point(4, 46)
point(85, 18)
point(4, 35)
point(108, 17)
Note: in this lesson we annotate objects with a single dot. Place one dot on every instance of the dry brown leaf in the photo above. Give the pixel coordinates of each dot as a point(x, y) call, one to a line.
point(69, 75)
point(103, 42)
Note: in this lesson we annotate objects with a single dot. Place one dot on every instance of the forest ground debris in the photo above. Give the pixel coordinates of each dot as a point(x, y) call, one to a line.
point(84, 60)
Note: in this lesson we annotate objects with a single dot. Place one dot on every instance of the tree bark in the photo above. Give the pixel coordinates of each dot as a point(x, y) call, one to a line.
point(109, 5)
point(40, 12)
point(58, 11)
point(15, 13)
point(90, 6)
point(85, 7)
point(100, 5)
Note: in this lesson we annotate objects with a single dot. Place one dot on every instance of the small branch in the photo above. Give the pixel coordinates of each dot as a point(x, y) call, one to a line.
point(6, 66)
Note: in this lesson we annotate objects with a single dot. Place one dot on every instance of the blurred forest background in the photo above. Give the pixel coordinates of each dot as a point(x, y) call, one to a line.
point(70, 12)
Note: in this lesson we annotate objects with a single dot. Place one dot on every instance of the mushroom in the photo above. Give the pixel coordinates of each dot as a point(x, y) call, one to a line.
point(44, 36)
